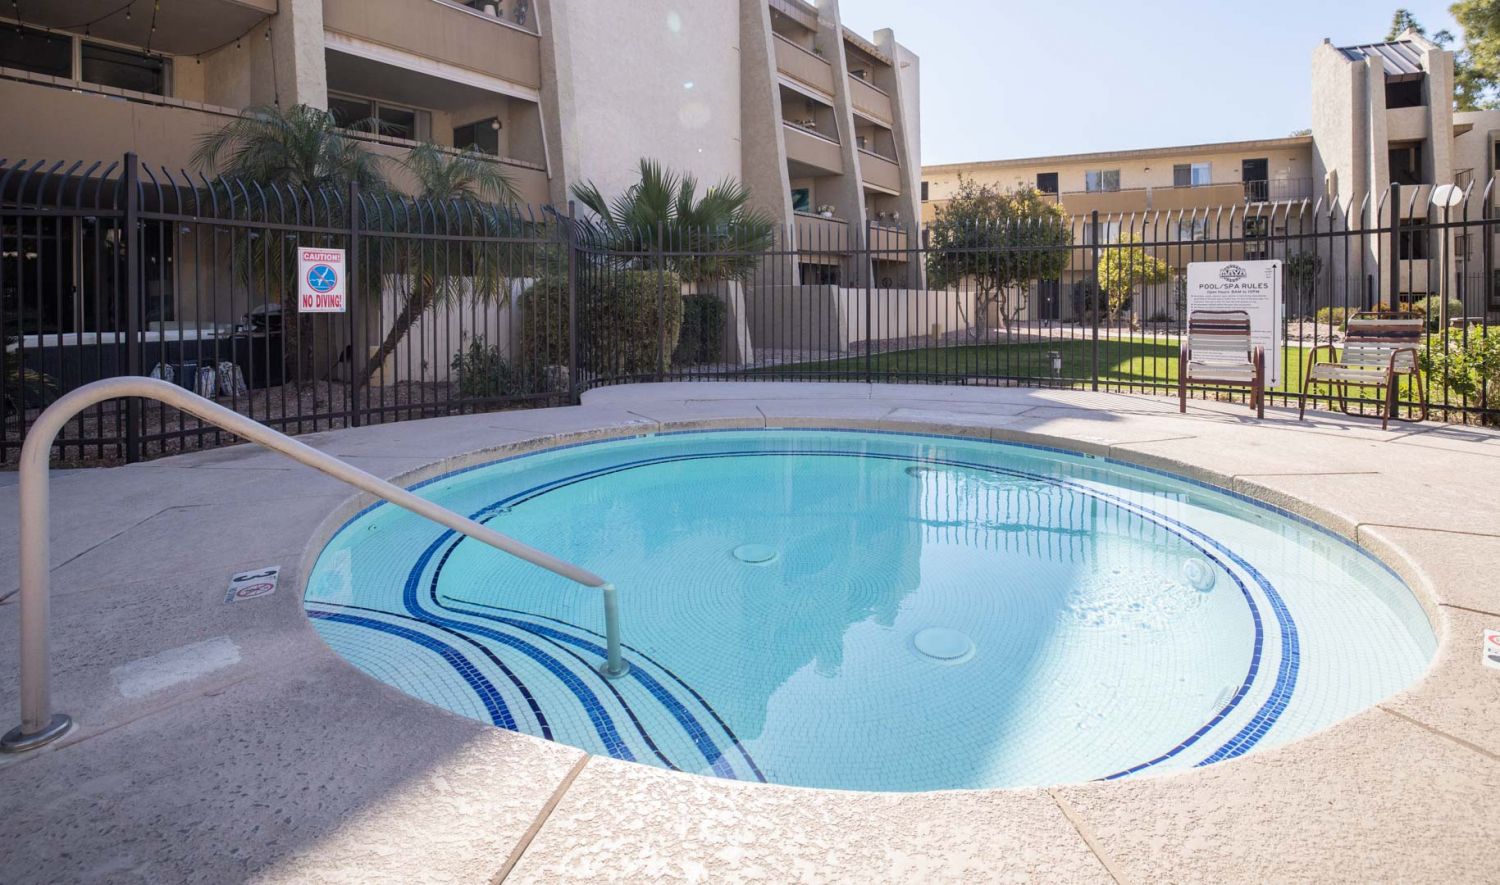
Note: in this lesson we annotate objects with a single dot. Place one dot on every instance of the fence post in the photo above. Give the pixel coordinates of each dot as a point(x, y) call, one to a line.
point(133, 302)
point(869, 268)
point(1093, 286)
point(572, 246)
point(661, 303)
point(1395, 272)
point(353, 298)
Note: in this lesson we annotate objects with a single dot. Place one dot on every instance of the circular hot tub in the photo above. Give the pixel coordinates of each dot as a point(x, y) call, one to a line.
point(873, 611)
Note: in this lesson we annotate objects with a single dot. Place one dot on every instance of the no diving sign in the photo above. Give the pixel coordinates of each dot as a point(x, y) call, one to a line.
point(320, 281)
point(1491, 653)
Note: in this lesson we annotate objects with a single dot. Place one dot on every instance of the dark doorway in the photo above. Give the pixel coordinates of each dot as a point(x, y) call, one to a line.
point(1255, 174)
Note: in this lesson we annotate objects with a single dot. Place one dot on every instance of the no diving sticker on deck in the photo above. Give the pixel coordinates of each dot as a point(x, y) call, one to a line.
point(1492, 648)
point(253, 584)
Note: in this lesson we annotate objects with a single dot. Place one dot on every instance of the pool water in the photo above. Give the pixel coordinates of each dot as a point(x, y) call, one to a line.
point(873, 611)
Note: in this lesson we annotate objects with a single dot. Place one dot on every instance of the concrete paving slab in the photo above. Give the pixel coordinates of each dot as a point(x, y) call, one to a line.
point(1460, 695)
point(1458, 568)
point(623, 823)
point(320, 775)
point(1374, 798)
point(1425, 495)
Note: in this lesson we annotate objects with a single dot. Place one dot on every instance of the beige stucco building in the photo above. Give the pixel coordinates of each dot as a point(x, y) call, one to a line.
point(776, 93)
point(1382, 115)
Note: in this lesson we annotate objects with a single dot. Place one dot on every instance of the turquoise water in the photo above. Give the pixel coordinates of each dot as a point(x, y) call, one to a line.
point(873, 611)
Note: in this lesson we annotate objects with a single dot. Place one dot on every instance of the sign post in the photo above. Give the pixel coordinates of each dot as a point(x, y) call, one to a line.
point(1251, 286)
point(320, 281)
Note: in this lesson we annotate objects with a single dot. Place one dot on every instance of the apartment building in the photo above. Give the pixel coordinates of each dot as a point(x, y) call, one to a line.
point(1382, 115)
point(776, 93)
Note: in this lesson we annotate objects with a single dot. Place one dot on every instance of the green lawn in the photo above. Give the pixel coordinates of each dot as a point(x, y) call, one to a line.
point(1138, 360)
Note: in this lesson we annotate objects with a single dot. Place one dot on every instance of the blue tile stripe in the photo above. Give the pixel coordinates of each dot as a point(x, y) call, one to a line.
point(636, 657)
point(483, 688)
point(599, 717)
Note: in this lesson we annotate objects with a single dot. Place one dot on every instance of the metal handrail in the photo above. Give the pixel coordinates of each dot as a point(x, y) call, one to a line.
point(39, 725)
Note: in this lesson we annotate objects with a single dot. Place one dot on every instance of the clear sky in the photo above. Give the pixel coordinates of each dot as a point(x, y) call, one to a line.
point(1018, 78)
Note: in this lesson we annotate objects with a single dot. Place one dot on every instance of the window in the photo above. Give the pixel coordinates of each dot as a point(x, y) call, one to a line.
point(123, 69)
point(819, 274)
point(1405, 93)
point(801, 199)
point(1189, 229)
point(924, 191)
point(367, 114)
point(1102, 180)
point(1046, 182)
point(36, 51)
point(1257, 227)
point(43, 52)
point(1406, 163)
point(1413, 246)
point(483, 136)
point(1109, 232)
point(1192, 174)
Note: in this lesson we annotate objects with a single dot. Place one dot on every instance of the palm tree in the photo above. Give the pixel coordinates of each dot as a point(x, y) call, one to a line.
point(716, 238)
point(474, 197)
point(300, 146)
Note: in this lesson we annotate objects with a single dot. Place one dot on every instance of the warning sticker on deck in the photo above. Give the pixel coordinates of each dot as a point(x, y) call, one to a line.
point(253, 584)
point(1492, 649)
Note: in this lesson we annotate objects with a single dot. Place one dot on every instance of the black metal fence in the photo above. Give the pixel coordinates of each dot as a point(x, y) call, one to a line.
point(456, 306)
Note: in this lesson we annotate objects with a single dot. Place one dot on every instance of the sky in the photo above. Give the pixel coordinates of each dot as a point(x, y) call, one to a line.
point(1020, 78)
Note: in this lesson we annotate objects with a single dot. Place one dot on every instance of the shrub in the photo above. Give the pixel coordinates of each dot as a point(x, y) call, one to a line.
point(1431, 308)
point(702, 340)
point(1333, 316)
point(484, 374)
point(1466, 361)
point(629, 322)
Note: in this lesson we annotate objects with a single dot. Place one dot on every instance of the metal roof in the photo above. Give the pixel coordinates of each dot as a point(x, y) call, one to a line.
point(1401, 58)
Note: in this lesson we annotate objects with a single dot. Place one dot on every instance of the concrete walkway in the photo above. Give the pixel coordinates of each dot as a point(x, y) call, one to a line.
point(224, 742)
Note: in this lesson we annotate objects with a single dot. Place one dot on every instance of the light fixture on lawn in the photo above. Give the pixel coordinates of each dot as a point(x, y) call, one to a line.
point(1055, 356)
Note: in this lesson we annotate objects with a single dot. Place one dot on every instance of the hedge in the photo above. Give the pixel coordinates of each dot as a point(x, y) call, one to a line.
point(621, 315)
point(702, 340)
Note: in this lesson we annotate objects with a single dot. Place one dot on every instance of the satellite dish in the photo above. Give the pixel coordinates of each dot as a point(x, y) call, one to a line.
point(1447, 196)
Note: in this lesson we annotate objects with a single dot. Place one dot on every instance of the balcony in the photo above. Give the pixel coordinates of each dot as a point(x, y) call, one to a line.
point(812, 153)
point(880, 173)
point(1281, 190)
point(821, 240)
point(889, 242)
point(179, 27)
point(444, 33)
point(870, 101)
point(804, 14)
point(1207, 196)
point(804, 67)
point(1408, 124)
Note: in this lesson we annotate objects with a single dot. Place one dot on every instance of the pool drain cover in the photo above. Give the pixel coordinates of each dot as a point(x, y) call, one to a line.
point(755, 554)
point(944, 645)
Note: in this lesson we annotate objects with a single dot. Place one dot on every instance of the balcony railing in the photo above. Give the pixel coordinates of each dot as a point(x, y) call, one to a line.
point(1280, 190)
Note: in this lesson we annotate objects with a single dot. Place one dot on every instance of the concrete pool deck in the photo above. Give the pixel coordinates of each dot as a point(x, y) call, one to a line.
point(225, 742)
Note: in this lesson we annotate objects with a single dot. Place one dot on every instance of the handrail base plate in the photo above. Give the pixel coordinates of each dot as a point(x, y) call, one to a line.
point(16, 741)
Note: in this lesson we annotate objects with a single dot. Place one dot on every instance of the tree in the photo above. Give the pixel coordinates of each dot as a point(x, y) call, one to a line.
point(471, 192)
point(716, 238)
point(997, 242)
point(295, 153)
point(1476, 67)
point(1124, 267)
point(1402, 22)
point(1302, 270)
point(299, 147)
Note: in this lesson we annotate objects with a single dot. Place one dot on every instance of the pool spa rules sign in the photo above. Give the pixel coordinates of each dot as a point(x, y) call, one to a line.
point(1251, 286)
point(320, 281)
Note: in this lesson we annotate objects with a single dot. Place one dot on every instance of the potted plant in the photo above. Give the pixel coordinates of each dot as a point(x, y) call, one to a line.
point(826, 210)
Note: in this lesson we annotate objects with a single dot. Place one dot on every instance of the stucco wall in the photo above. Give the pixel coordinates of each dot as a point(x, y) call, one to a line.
point(679, 102)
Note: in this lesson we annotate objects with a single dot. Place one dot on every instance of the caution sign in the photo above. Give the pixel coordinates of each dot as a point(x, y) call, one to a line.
point(1492, 649)
point(320, 281)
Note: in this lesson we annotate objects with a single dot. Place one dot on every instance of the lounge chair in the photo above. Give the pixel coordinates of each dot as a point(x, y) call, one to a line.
point(1379, 347)
point(1219, 351)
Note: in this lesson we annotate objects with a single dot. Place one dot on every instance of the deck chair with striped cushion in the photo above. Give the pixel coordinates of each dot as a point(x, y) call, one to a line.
point(1379, 347)
point(1219, 351)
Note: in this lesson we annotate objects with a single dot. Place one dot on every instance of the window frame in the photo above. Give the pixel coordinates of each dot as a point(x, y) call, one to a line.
point(1089, 181)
